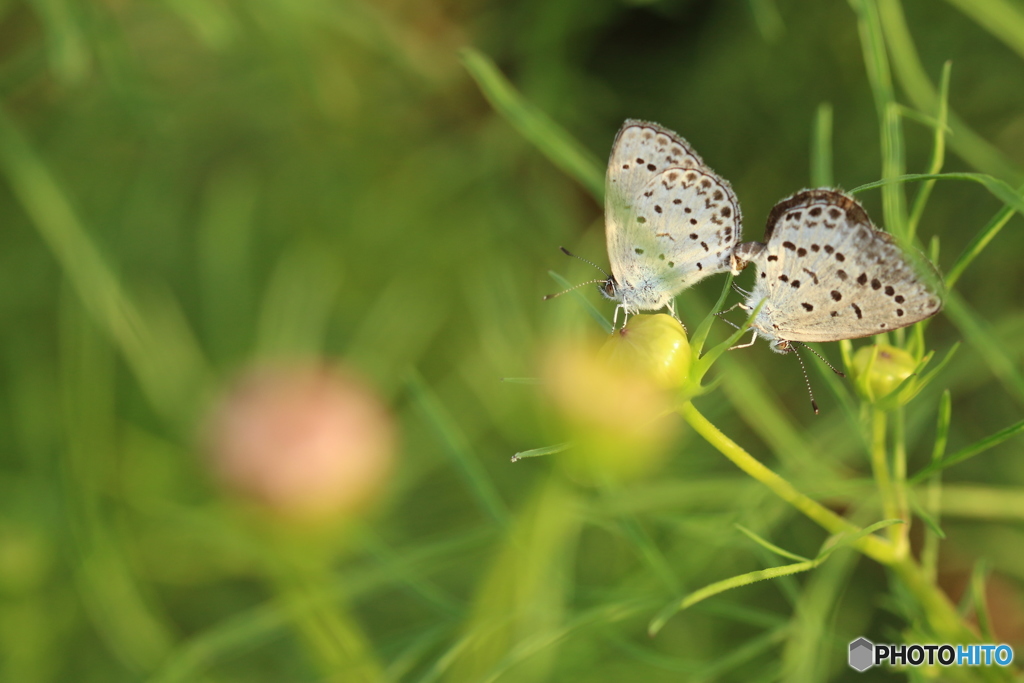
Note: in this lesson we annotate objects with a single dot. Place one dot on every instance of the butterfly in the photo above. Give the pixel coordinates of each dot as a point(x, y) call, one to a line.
point(670, 221)
point(827, 273)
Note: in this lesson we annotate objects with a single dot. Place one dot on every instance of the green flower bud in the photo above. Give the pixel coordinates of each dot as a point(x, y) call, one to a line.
point(654, 345)
point(890, 367)
point(616, 403)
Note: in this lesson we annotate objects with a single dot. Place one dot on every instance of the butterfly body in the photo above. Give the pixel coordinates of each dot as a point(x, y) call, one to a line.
point(670, 220)
point(826, 273)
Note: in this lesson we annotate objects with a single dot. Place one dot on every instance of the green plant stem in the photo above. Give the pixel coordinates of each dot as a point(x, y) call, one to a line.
point(899, 480)
point(930, 548)
point(941, 614)
point(933, 492)
point(938, 154)
point(337, 643)
point(872, 546)
point(880, 469)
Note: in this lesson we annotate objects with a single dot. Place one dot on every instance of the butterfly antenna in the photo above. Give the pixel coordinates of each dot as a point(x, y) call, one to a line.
point(569, 253)
point(823, 360)
point(582, 284)
point(807, 380)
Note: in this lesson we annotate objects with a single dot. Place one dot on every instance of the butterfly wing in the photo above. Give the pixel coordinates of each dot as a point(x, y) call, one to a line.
point(642, 150)
point(658, 193)
point(829, 274)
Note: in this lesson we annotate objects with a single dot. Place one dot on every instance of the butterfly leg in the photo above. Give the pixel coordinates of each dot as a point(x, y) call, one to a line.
point(672, 311)
point(615, 317)
point(753, 338)
point(740, 290)
point(732, 308)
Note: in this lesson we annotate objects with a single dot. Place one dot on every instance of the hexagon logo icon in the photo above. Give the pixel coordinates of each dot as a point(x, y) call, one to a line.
point(862, 654)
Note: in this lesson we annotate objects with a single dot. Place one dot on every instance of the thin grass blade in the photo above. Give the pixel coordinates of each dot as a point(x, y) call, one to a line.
point(938, 153)
point(587, 306)
point(769, 545)
point(457, 445)
point(545, 450)
point(821, 148)
point(693, 598)
point(534, 125)
point(977, 448)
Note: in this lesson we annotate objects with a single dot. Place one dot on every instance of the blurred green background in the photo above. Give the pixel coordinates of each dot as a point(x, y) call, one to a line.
point(188, 186)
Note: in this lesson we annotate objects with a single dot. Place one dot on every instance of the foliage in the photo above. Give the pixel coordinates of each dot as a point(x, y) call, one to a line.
point(188, 188)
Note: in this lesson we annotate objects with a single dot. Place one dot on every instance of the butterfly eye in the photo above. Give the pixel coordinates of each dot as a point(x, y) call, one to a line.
point(609, 287)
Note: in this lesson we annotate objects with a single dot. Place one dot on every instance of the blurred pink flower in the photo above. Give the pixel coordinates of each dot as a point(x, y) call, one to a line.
point(306, 441)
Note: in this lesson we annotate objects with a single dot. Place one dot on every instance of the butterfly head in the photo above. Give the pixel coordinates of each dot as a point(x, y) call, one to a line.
point(610, 289)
